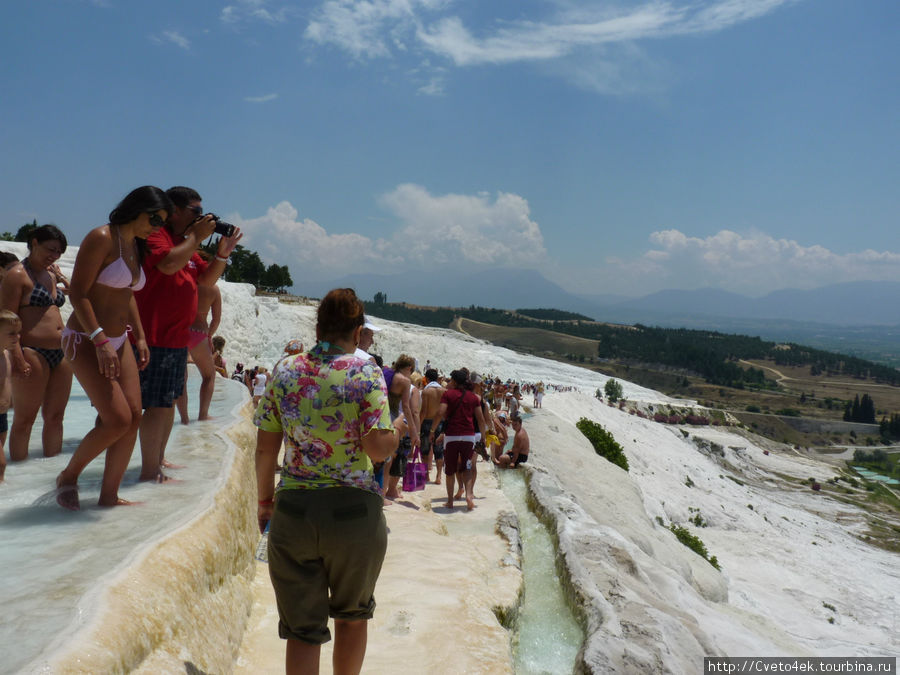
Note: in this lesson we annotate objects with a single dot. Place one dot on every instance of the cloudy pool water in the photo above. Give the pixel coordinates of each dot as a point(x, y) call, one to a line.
point(55, 563)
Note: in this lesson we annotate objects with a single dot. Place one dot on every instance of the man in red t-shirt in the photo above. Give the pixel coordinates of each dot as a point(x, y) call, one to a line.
point(167, 304)
point(460, 407)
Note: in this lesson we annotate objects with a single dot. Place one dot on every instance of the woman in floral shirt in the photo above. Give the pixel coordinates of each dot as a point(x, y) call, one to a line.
point(327, 536)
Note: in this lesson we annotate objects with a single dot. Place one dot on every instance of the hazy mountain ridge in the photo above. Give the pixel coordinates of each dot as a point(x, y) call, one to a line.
point(859, 303)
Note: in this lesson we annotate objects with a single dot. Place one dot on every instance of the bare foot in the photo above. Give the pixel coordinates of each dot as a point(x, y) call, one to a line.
point(185, 421)
point(119, 502)
point(458, 495)
point(67, 495)
point(470, 503)
point(392, 495)
point(437, 481)
point(166, 464)
point(448, 505)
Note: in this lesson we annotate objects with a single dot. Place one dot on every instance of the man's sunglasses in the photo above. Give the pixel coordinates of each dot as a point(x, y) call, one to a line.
point(156, 220)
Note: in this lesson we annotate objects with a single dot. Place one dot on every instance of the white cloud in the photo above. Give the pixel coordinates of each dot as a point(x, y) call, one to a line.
point(463, 228)
point(261, 99)
point(572, 31)
point(427, 229)
point(756, 262)
point(173, 37)
point(241, 11)
point(367, 29)
point(753, 264)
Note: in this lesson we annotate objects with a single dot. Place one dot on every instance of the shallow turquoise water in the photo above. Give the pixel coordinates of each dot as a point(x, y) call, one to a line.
point(548, 637)
point(871, 475)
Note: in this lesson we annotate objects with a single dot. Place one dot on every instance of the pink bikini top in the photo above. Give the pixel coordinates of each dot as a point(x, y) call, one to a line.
point(118, 275)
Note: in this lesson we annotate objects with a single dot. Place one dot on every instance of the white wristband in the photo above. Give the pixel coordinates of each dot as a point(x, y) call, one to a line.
point(221, 259)
point(95, 333)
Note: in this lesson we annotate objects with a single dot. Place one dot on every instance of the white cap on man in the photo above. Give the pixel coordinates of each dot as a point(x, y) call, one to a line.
point(371, 326)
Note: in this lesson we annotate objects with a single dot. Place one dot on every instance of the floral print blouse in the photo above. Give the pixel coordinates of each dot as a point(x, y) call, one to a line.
point(324, 405)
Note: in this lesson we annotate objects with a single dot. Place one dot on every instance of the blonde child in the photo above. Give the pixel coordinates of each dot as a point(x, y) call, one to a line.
point(10, 330)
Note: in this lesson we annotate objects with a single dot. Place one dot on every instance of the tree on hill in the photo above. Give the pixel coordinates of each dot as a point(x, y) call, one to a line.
point(860, 410)
point(276, 279)
point(613, 390)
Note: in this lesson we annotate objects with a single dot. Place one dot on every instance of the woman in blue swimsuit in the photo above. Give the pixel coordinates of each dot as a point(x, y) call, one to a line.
point(43, 379)
point(95, 340)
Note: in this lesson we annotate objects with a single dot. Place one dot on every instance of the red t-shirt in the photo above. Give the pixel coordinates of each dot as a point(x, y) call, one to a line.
point(168, 302)
point(460, 413)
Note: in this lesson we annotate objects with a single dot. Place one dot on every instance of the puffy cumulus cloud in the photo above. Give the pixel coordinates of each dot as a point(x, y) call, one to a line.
point(427, 229)
point(757, 262)
point(281, 237)
point(465, 228)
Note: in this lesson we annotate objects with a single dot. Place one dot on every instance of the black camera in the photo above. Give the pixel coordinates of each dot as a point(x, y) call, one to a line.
point(223, 228)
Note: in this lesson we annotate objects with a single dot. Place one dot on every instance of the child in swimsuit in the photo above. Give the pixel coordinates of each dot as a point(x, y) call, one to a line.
point(10, 329)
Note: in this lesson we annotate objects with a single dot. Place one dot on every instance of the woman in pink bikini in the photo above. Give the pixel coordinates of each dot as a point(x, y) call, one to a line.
point(107, 271)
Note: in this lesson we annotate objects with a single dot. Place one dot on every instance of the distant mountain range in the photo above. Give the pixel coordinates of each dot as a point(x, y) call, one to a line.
point(869, 303)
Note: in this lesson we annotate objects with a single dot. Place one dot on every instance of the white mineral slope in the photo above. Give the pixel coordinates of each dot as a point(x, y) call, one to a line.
point(651, 604)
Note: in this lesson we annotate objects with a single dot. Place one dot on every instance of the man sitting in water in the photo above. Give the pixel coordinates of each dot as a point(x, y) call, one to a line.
point(521, 446)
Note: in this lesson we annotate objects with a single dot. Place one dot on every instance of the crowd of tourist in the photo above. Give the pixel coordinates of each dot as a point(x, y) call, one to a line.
point(144, 301)
point(140, 294)
point(349, 425)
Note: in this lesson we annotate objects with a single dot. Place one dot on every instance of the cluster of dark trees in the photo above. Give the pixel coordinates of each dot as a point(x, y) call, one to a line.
point(890, 428)
point(21, 234)
point(247, 268)
point(860, 410)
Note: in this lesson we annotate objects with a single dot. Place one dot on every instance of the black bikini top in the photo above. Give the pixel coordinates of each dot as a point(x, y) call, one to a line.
point(40, 296)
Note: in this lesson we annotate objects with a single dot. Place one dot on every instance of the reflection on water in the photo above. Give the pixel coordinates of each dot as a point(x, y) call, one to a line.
point(547, 637)
point(52, 561)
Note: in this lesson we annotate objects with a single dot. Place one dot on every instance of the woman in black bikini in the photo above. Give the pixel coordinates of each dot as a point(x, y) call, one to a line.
point(43, 378)
point(95, 340)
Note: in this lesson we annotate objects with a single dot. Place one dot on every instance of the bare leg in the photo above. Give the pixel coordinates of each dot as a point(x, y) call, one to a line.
point(182, 402)
point(392, 492)
point(28, 394)
point(156, 426)
point(2, 455)
point(56, 398)
point(350, 638)
point(451, 478)
point(439, 463)
point(203, 359)
point(119, 413)
point(466, 480)
point(301, 658)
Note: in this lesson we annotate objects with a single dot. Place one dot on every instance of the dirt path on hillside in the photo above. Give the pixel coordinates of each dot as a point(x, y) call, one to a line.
point(781, 377)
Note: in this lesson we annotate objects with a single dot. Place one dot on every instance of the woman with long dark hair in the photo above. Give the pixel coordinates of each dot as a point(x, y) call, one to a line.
point(107, 272)
point(44, 378)
point(328, 535)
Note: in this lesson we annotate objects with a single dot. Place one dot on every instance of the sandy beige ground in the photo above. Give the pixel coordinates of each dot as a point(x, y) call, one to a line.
point(443, 575)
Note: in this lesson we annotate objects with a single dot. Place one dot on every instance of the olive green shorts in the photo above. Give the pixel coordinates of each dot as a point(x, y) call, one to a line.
point(325, 553)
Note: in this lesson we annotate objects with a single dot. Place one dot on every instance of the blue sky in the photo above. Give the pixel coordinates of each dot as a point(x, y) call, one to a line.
point(617, 147)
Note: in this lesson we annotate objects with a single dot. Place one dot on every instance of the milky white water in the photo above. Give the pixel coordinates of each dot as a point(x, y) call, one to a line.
point(547, 637)
point(54, 561)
